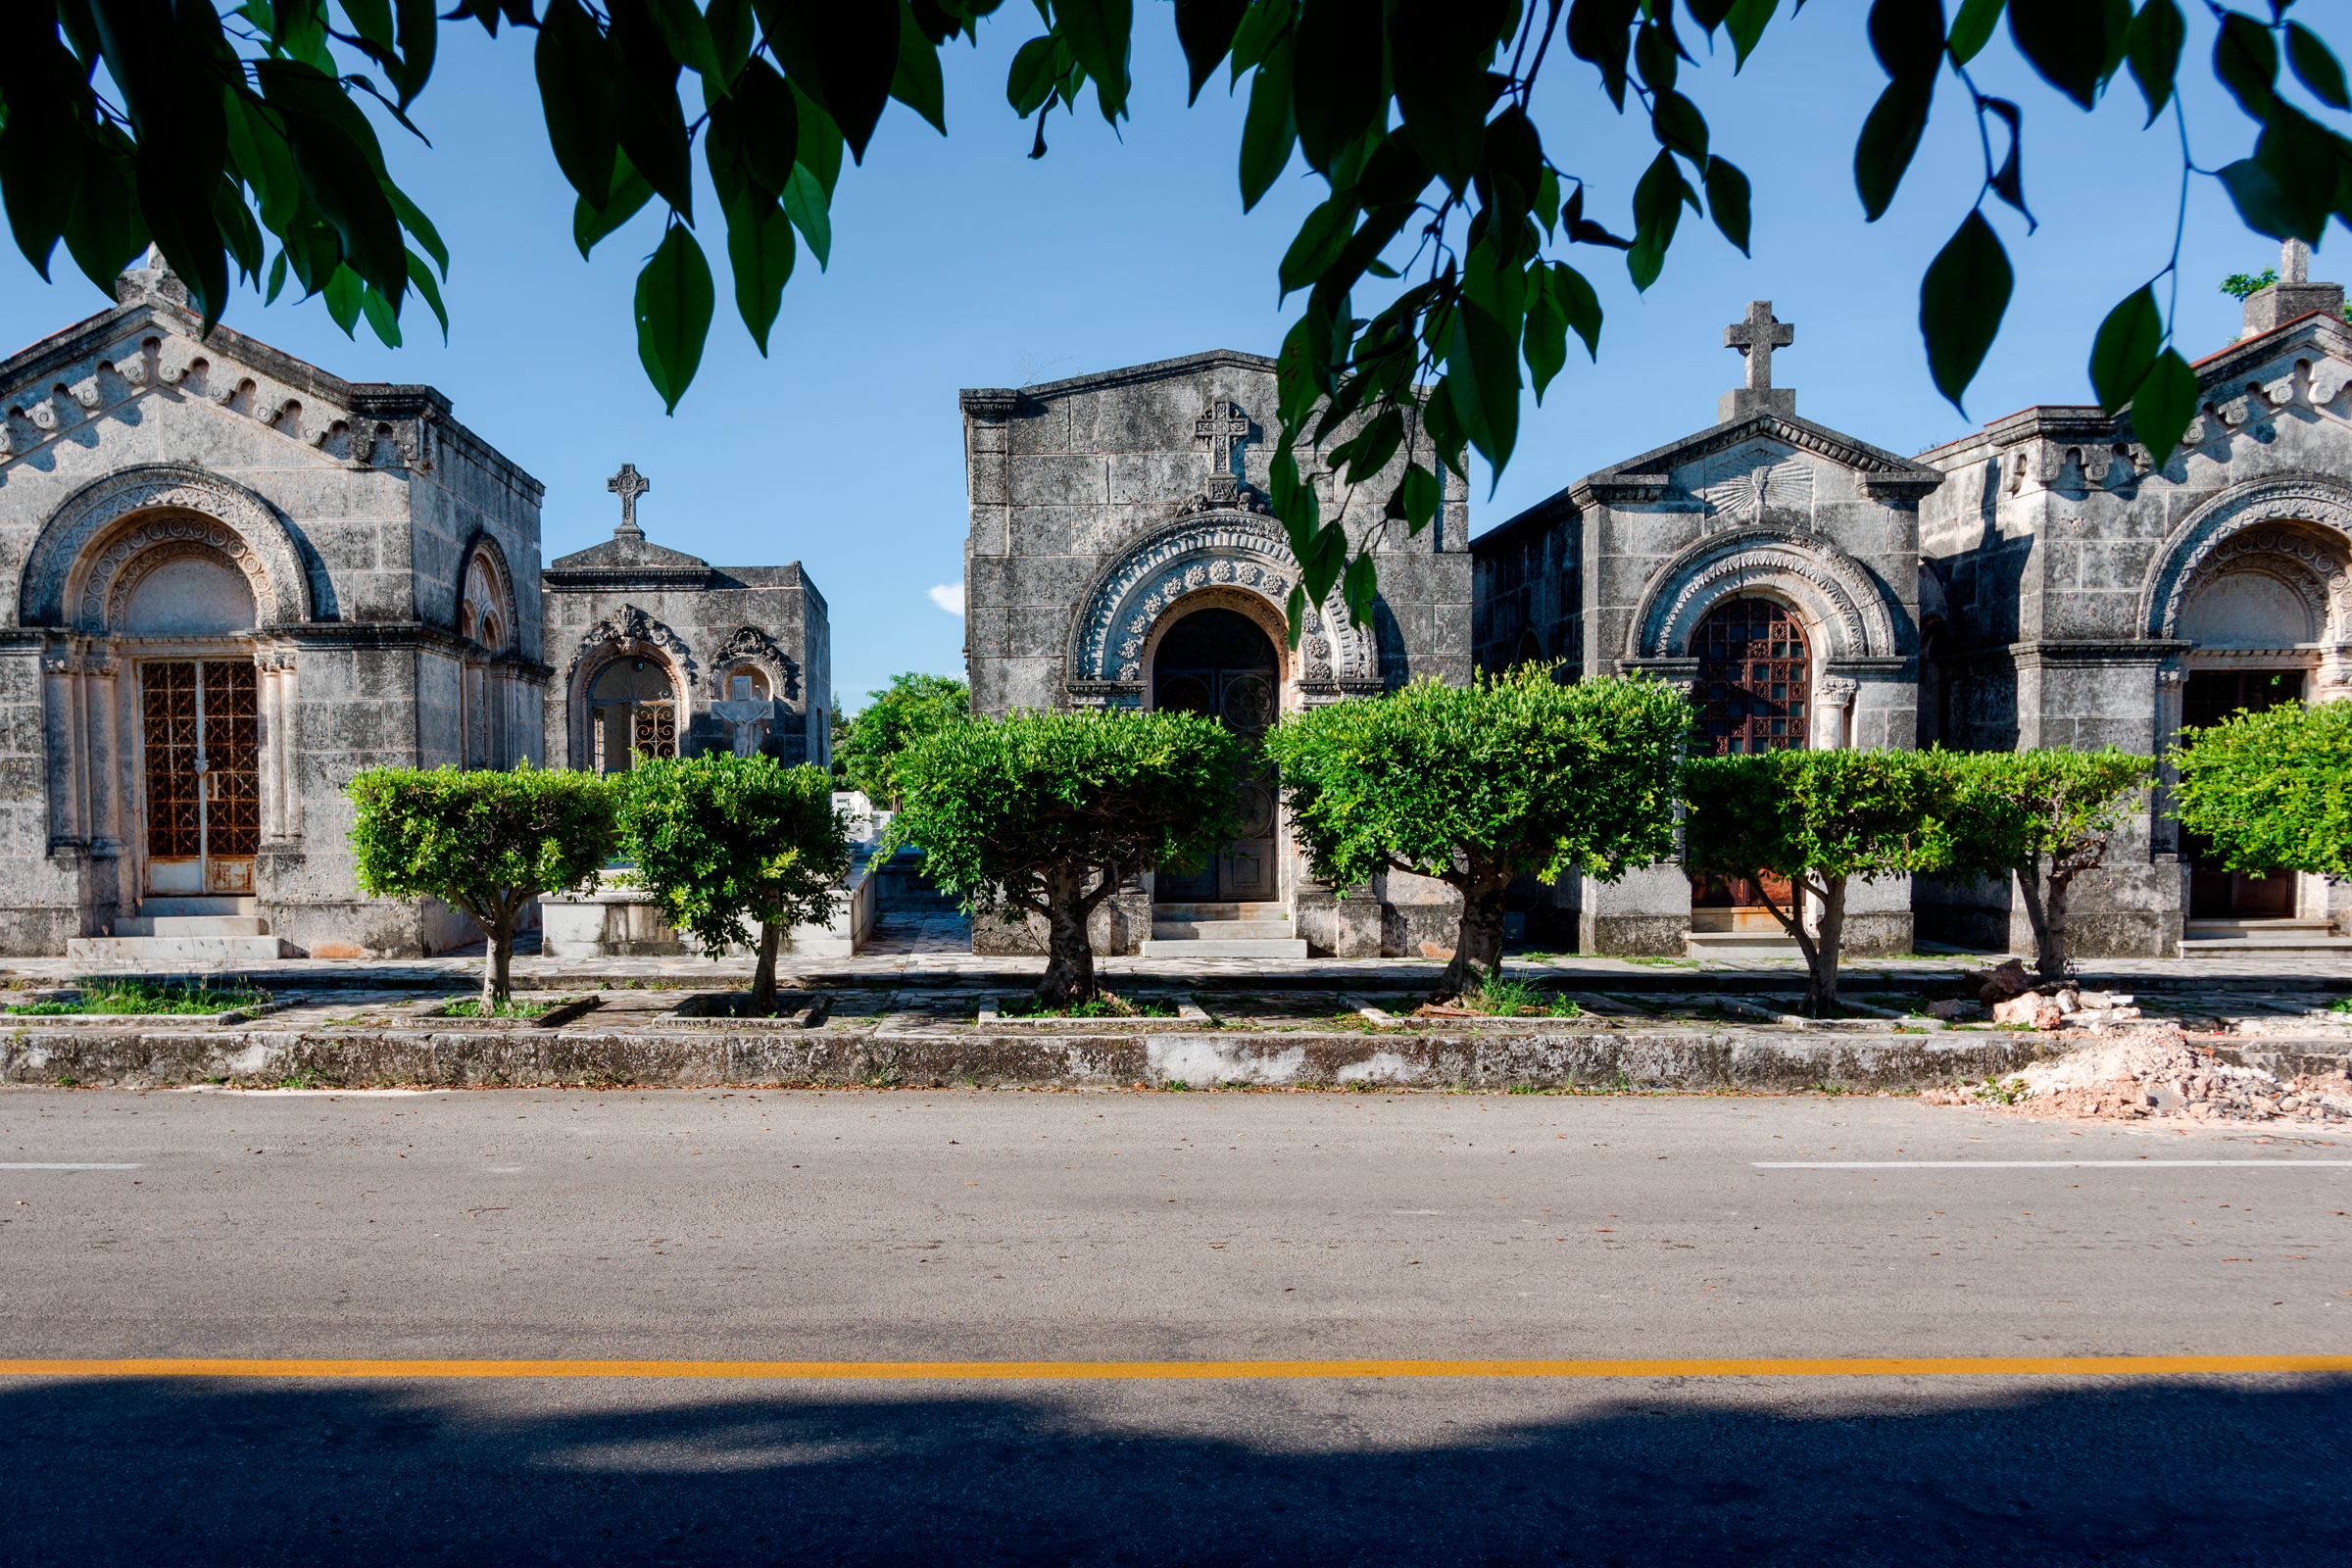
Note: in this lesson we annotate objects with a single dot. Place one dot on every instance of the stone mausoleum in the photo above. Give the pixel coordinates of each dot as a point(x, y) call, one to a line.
point(237, 580)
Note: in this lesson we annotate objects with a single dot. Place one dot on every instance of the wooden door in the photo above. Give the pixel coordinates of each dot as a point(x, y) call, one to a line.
point(203, 776)
point(1218, 663)
point(2215, 893)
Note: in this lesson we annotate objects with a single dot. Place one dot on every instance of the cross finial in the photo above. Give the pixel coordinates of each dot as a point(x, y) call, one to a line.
point(1225, 427)
point(629, 484)
point(2294, 261)
point(1755, 335)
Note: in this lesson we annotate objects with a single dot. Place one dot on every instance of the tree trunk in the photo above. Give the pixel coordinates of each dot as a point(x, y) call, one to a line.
point(2049, 929)
point(1477, 945)
point(764, 978)
point(496, 964)
point(1069, 977)
point(1821, 981)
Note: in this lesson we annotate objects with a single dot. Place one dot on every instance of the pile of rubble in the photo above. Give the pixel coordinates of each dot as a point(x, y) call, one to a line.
point(2155, 1076)
point(2015, 1001)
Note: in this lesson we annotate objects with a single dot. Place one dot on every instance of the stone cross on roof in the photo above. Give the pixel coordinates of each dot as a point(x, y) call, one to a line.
point(1225, 427)
point(629, 484)
point(2294, 261)
point(1755, 336)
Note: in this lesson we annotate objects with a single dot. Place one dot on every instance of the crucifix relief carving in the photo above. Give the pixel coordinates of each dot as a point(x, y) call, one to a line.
point(1755, 336)
point(629, 484)
point(1226, 427)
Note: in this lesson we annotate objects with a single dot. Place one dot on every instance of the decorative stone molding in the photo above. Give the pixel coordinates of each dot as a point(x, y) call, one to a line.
point(751, 645)
point(993, 404)
point(64, 578)
point(1820, 577)
point(1230, 549)
point(2195, 547)
point(484, 549)
point(1748, 492)
point(633, 631)
point(131, 557)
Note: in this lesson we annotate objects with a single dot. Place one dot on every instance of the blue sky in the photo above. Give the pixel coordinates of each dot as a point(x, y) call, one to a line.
point(958, 261)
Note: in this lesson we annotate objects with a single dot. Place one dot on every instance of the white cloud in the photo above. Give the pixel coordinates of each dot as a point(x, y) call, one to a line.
point(948, 596)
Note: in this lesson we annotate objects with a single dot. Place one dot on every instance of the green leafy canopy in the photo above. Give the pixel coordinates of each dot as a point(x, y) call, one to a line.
point(1438, 288)
point(912, 707)
point(726, 842)
point(2272, 789)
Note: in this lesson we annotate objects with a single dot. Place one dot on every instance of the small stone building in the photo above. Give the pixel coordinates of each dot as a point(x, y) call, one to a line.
point(1768, 563)
point(1122, 554)
point(238, 580)
point(663, 655)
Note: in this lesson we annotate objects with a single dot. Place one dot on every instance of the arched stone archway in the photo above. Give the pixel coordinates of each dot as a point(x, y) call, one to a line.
point(106, 524)
point(1836, 594)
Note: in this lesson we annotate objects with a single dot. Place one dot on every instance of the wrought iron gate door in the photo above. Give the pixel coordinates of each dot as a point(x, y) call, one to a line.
point(202, 742)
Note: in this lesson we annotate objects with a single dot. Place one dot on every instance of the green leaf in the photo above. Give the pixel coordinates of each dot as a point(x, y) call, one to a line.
point(2315, 67)
point(261, 157)
point(277, 279)
point(1359, 587)
point(1961, 302)
point(1421, 492)
point(40, 156)
point(1268, 132)
point(1907, 36)
point(1890, 137)
point(686, 34)
point(1262, 25)
point(411, 217)
point(1728, 200)
point(1372, 447)
point(1596, 31)
point(674, 303)
point(1658, 200)
point(420, 40)
point(421, 278)
point(759, 253)
point(1972, 28)
point(1745, 22)
point(2265, 209)
point(2125, 349)
point(1482, 370)
point(1038, 67)
point(104, 231)
point(1545, 344)
point(577, 76)
point(816, 147)
point(1319, 242)
point(1573, 294)
point(2066, 41)
point(1206, 29)
point(731, 34)
point(1438, 51)
point(382, 316)
point(1678, 125)
point(2246, 59)
point(805, 205)
point(1098, 31)
point(646, 114)
point(2154, 46)
point(342, 295)
point(342, 179)
point(631, 193)
point(2165, 403)
point(917, 82)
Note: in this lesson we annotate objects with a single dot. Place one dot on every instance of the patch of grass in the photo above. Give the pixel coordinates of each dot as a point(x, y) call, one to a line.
point(511, 1007)
point(2340, 1004)
point(145, 997)
point(302, 1078)
point(1177, 1086)
point(1993, 1092)
point(1519, 999)
point(1652, 961)
point(1105, 1006)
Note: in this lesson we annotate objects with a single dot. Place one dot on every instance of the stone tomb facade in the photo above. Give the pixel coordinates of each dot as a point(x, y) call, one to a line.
point(663, 655)
point(1122, 554)
point(1769, 563)
point(237, 580)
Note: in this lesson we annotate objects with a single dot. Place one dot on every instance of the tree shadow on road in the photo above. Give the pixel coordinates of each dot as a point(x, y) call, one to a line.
point(168, 1472)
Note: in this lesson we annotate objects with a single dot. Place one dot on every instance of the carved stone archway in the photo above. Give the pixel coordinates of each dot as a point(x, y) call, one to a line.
point(1807, 571)
point(634, 634)
point(2303, 522)
point(1239, 551)
point(71, 571)
point(751, 646)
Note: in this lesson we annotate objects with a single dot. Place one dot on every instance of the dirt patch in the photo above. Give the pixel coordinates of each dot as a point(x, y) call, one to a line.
point(2157, 1075)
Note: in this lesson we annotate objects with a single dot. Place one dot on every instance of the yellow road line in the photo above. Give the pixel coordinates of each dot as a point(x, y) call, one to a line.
point(1126, 1371)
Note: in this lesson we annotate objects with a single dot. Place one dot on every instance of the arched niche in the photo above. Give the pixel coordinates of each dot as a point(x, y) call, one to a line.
point(193, 592)
point(2296, 528)
point(487, 613)
point(1847, 613)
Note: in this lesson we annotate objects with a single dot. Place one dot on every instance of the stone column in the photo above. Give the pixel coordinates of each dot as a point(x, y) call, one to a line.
point(1833, 713)
point(99, 725)
point(61, 713)
point(2163, 834)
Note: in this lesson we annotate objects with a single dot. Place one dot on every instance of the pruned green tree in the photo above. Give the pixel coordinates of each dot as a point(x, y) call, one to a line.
point(910, 708)
point(484, 841)
point(1438, 259)
point(1818, 820)
point(1045, 813)
point(2043, 817)
point(724, 842)
point(2272, 789)
point(1511, 775)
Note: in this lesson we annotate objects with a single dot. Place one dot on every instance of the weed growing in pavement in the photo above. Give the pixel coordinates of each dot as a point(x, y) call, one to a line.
point(1105, 1006)
point(302, 1078)
point(2340, 1004)
point(99, 995)
point(1656, 962)
point(1993, 1092)
point(1176, 1085)
point(1829, 1088)
point(69, 1083)
point(511, 1007)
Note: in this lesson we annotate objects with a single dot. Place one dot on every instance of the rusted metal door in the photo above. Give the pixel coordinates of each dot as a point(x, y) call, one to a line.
point(202, 740)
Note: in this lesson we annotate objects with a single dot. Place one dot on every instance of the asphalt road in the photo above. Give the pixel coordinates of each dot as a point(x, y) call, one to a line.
point(913, 1226)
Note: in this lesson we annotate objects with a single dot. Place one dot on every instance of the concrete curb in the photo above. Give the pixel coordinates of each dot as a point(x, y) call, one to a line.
point(1662, 1059)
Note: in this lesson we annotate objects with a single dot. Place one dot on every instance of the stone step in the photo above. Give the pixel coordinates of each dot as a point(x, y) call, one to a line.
point(1268, 910)
point(1220, 930)
point(2266, 946)
point(212, 904)
point(2258, 930)
point(191, 925)
point(169, 951)
point(1213, 948)
point(1741, 945)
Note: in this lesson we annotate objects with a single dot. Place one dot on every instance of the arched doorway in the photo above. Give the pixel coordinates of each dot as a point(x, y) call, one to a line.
point(1219, 663)
point(199, 720)
point(632, 712)
point(1754, 678)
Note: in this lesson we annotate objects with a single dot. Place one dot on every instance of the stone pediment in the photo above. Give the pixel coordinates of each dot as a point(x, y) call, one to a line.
point(1751, 468)
point(148, 347)
point(622, 561)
